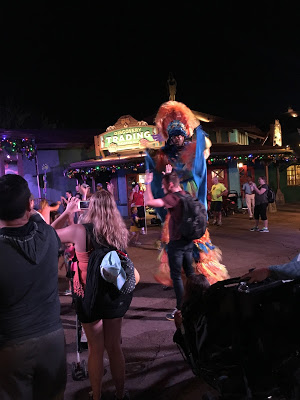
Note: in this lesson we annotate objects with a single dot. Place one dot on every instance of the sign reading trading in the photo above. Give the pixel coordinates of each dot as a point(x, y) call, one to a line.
point(128, 138)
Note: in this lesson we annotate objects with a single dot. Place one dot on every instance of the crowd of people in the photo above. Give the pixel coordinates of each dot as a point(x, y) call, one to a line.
point(32, 343)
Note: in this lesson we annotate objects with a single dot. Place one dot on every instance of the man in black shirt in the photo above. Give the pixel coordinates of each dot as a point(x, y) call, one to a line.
point(180, 251)
point(32, 343)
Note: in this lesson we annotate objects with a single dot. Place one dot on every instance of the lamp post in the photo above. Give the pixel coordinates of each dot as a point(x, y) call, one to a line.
point(45, 168)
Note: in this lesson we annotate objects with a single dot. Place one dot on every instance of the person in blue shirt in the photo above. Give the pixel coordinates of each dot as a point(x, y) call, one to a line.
point(290, 270)
point(249, 196)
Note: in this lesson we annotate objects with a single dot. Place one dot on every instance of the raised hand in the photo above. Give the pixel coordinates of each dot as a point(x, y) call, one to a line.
point(72, 205)
point(168, 169)
point(148, 177)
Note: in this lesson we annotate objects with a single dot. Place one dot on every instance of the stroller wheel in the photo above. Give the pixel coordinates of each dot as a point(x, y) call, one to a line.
point(79, 371)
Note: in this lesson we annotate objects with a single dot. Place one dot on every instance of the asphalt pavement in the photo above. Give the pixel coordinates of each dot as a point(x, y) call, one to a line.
point(155, 368)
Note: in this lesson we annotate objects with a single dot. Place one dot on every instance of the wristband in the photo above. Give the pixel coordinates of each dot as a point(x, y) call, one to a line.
point(147, 183)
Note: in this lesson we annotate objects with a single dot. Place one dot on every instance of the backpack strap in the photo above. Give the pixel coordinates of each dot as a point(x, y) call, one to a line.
point(91, 243)
point(182, 194)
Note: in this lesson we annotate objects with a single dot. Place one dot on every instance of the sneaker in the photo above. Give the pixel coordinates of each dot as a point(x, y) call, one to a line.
point(250, 217)
point(137, 243)
point(214, 222)
point(255, 228)
point(264, 230)
point(170, 316)
point(143, 231)
point(219, 223)
point(67, 293)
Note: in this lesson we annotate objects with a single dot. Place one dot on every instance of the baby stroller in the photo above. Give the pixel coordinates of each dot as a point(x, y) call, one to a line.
point(230, 203)
point(79, 368)
point(245, 343)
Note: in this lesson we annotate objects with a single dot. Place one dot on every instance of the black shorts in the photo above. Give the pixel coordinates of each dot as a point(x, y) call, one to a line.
point(141, 212)
point(216, 206)
point(261, 211)
point(107, 306)
point(141, 215)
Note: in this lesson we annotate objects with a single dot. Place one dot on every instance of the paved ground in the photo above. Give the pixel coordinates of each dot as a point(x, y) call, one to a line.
point(154, 366)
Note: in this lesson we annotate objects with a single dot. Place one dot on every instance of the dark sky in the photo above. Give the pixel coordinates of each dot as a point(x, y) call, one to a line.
point(85, 66)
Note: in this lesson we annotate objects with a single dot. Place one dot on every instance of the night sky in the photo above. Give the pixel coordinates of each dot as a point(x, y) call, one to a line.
point(83, 67)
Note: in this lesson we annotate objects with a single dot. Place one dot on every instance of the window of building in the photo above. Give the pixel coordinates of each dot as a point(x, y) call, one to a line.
point(224, 136)
point(293, 175)
point(213, 136)
point(243, 138)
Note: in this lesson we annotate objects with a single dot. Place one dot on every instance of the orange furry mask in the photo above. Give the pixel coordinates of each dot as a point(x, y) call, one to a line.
point(171, 111)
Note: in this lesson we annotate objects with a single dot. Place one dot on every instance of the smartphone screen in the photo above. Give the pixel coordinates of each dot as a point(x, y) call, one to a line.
point(83, 204)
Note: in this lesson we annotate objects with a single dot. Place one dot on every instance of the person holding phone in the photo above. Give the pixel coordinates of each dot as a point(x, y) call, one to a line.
point(103, 221)
point(261, 204)
point(85, 190)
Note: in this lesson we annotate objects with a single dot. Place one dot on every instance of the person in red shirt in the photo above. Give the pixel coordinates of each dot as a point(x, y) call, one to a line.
point(137, 200)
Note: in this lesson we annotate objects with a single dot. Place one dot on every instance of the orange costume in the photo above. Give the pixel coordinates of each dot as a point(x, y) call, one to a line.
point(189, 161)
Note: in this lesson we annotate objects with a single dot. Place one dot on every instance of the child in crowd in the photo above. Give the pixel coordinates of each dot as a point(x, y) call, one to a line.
point(187, 318)
point(134, 228)
point(195, 288)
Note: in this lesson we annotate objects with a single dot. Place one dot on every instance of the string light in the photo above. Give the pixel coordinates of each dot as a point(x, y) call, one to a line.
point(251, 158)
point(94, 171)
point(24, 146)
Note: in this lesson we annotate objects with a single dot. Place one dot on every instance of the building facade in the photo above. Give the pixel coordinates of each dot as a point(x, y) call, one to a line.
point(55, 161)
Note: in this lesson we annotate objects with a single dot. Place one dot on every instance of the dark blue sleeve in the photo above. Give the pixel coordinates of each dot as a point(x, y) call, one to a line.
point(199, 167)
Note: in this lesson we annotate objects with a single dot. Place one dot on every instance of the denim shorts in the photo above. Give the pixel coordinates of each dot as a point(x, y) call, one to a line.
point(34, 369)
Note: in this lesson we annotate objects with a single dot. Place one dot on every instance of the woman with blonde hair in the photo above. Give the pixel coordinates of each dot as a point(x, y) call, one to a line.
point(45, 209)
point(101, 226)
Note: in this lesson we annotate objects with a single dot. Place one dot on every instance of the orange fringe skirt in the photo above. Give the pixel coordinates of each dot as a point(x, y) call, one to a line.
point(209, 263)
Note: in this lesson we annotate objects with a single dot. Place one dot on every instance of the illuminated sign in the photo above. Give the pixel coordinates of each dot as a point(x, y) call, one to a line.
point(126, 134)
point(133, 137)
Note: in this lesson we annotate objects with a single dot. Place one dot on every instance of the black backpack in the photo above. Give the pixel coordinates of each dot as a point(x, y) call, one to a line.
point(270, 195)
point(103, 299)
point(194, 217)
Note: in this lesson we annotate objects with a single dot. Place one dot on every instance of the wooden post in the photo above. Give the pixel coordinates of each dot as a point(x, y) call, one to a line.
point(277, 177)
point(267, 172)
point(37, 175)
point(279, 195)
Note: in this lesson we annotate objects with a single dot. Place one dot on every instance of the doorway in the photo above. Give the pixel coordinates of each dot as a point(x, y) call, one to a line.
point(132, 179)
